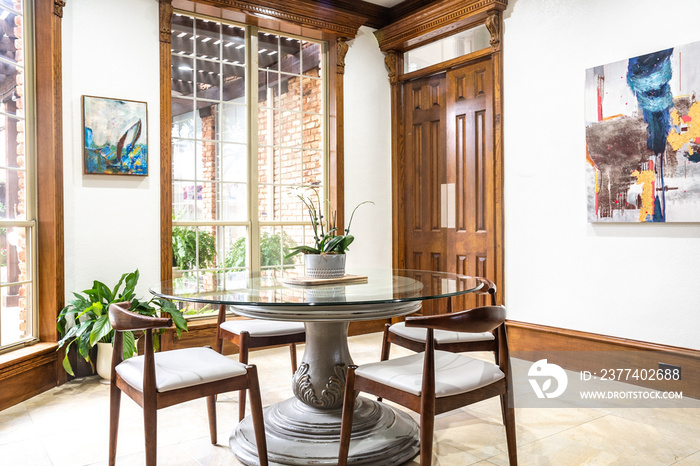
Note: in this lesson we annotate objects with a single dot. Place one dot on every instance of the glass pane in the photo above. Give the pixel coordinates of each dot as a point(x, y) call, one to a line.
point(448, 48)
point(206, 160)
point(182, 76)
point(182, 35)
point(234, 123)
point(270, 246)
point(11, 142)
point(208, 39)
point(268, 51)
point(311, 60)
point(313, 167)
point(183, 118)
point(208, 80)
point(234, 164)
point(290, 50)
point(14, 4)
point(12, 197)
point(234, 203)
point(206, 247)
point(14, 255)
point(312, 92)
point(234, 84)
point(290, 130)
point(11, 88)
point(312, 131)
point(291, 207)
point(234, 44)
point(235, 247)
point(11, 26)
point(205, 120)
point(15, 313)
point(183, 201)
point(183, 160)
point(290, 167)
point(268, 164)
point(266, 202)
point(292, 236)
point(291, 93)
point(207, 201)
point(268, 127)
point(268, 90)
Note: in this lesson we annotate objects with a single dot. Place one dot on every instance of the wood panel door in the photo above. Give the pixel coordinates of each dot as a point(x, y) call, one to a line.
point(450, 176)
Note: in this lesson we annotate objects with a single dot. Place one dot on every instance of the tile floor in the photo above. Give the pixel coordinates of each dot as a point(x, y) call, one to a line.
point(68, 426)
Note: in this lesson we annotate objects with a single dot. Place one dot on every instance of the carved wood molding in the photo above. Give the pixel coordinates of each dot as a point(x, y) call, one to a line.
point(390, 60)
point(58, 7)
point(342, 50)
point(315, 15)
point(435, 20)
point(166, 22)
point(493, 24)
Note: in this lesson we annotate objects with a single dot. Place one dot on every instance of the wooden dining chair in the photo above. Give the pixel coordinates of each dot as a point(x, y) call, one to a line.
point(434, 382)
point(445, 340)
point(247, 334)
point(163, 379)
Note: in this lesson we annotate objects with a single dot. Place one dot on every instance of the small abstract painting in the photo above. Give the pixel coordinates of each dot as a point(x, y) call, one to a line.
point(643, 138)
point(116, 136)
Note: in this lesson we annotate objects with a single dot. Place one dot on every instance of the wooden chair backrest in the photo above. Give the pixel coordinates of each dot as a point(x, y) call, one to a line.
point(488, 288)
point(123, 320)
point(477, 320)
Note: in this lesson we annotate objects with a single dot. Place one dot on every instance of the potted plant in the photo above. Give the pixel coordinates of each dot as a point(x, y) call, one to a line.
point(85, 320)
point(185, 248)
point(326, 259)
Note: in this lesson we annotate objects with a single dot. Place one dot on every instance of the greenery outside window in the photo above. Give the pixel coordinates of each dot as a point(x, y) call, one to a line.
point(248, 130)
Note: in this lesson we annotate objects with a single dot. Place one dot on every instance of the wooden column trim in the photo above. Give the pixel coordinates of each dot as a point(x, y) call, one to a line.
point(166, 172)
point(393, 61)
point(337, 162)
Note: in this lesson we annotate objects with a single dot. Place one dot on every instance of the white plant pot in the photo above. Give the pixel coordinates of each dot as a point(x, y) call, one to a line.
point(324, 265)
point(104, 360)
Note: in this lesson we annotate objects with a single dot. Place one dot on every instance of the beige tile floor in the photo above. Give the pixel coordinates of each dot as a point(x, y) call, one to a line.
point(68, 426)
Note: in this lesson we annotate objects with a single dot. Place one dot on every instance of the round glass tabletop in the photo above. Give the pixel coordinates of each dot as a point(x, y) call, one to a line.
point(366, 286)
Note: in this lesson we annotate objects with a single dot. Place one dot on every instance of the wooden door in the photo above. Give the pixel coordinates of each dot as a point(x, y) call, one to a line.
point(450, 176)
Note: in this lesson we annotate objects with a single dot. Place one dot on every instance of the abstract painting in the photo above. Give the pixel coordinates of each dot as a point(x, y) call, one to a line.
point(643, 138)
point(116, 136)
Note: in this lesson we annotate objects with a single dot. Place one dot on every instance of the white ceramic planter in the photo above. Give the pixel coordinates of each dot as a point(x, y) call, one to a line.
point(104, 360)
point(324, 265)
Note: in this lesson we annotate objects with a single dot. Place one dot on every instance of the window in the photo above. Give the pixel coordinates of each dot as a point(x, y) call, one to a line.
point(248, 132)
point(450, 47)
point(17, 212)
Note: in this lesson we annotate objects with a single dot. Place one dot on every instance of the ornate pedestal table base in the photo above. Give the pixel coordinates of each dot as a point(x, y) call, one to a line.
point(298, 434)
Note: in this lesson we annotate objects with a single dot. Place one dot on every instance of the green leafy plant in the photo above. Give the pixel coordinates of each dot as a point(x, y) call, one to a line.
point(270, 247)
point(85, 320)
point(326, 237)
point(185, 248)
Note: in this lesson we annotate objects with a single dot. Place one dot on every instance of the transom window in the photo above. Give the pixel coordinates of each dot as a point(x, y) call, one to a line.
point(248, 131)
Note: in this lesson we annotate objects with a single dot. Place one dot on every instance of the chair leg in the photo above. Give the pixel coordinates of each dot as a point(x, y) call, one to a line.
point(114, 404)
point(243, 359)
point(386, 348)
point(509, 421)
point(293, 354)
point(257, 414)
point(427, 426)
point(150, 429)
point(211, 411)
point(348, 411)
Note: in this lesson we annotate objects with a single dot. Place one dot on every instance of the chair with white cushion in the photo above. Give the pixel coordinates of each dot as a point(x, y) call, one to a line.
point(445, 340)
point(159, 380)
point(257, 333)
point(434, 382)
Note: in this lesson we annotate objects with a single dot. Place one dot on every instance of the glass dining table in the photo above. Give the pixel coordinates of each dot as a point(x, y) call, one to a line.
point(305, 429)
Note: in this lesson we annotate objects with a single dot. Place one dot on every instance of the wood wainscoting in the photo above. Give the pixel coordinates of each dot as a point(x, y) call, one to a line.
point(579, 351)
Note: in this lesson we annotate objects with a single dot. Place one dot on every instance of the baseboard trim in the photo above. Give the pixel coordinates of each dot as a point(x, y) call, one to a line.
point(577, 351)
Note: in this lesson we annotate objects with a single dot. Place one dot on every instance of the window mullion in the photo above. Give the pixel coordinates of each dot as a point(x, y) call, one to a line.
point(252, 101)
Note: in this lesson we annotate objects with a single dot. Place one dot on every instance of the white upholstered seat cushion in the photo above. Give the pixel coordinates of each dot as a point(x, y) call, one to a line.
point(441, 336)
point(262, 328)
point(181, 368)
point(454, 373)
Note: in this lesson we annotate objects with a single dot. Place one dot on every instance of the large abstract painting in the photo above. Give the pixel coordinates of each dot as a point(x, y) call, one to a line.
point(643, 138)
point(116, 136)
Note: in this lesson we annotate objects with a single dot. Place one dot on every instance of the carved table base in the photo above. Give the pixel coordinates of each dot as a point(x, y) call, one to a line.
point(298, 434)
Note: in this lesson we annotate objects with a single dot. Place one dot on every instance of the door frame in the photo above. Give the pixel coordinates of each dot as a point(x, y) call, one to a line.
point(422, 27)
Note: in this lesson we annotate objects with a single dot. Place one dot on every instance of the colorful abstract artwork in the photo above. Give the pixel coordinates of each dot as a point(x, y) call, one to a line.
point(643, 138)
point(116, 136)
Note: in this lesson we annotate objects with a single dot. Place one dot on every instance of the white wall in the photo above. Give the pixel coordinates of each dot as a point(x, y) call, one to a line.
point(636, 281)
point(368, 151)
point(112, 223)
